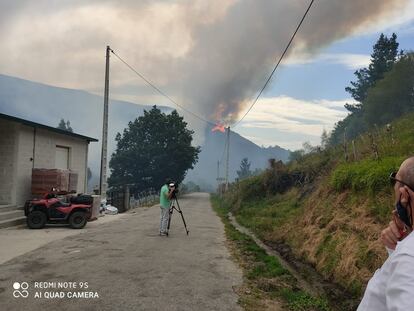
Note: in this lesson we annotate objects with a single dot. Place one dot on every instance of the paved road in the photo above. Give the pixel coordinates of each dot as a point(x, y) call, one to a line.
point(130, 267)
point(23, 240)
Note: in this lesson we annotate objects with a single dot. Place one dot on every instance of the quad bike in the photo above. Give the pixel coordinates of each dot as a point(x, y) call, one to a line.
point(52, 210)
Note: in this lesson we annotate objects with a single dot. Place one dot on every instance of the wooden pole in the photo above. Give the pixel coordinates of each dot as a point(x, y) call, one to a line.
point(228, 158)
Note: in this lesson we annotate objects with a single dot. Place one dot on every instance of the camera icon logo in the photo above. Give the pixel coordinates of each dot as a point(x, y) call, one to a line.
point(20, 290)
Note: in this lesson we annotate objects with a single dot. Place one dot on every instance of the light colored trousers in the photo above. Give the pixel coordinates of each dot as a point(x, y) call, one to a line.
point(165, 215)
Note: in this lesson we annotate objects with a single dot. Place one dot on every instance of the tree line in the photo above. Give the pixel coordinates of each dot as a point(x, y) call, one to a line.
point(383, 91)
point(151, 148)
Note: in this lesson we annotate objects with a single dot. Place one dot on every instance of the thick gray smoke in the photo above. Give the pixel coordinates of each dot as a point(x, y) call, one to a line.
point(232, 58)
point(213, 56)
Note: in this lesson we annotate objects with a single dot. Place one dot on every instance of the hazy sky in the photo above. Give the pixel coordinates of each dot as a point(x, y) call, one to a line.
point(211, 56)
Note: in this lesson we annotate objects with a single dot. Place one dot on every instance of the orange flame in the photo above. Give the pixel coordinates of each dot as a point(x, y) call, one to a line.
point(218, 127)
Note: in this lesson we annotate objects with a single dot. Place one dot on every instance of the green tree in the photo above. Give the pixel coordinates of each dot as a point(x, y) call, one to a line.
point(324, 139)
point(153, 147)
point(308, 148)
point(393, 96)
point(353, 125)
point(296, 155)
point(383, 58)
point(384, 55)
point(65, 125)
point(244, 171)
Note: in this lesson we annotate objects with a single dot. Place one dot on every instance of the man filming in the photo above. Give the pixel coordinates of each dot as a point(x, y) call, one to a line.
point(166, 194)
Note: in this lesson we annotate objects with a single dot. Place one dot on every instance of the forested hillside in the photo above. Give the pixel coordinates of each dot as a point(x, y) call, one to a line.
point(383, 91)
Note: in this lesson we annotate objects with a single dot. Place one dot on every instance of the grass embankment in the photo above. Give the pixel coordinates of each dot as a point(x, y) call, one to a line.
point(267, 284)
point(328, 210)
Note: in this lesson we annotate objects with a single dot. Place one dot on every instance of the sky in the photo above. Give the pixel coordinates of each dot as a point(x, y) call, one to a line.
point(212, 57)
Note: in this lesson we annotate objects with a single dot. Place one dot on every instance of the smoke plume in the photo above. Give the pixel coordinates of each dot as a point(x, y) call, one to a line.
point(212, 56)
point(232, 58)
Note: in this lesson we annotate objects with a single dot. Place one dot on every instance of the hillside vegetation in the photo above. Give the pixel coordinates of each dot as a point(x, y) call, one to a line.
point(329, 210)
point(328, 206)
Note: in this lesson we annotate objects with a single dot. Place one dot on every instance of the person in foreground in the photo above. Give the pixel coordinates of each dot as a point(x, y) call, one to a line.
point(392, 286)
point(165, 199)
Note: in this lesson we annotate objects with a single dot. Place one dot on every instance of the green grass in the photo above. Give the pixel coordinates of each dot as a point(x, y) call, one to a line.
point(366, 176)
point(262, 216)
point(264, 265)
point(267, 277)
point(300, 301)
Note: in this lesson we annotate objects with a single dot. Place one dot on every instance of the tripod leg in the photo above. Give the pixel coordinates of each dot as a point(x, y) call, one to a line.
point(182, 216)
point(170, 212)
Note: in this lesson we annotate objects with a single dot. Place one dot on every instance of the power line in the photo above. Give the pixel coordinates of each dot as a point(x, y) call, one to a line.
point(160, 91)
point(277, 64)
point(169, 98)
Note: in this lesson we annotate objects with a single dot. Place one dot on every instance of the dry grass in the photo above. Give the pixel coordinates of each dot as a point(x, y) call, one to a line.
point(337, 234)
point(334, 219)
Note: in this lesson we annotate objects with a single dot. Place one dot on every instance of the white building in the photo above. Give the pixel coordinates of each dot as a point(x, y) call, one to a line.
point(25, 145)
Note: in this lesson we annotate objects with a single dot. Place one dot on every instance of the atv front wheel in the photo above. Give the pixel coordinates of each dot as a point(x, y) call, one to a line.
point(77, 220)
point(36, 220)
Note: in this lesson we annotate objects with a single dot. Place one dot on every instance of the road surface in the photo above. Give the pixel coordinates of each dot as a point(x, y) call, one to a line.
point(126, 265)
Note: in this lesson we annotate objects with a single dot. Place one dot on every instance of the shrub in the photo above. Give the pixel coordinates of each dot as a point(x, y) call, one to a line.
point(277, 178)
point(251, 188)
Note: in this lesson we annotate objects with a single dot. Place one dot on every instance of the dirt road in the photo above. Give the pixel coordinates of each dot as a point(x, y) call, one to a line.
point(129, 266)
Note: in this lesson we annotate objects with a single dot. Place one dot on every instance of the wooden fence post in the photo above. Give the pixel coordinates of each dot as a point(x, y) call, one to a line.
point(374, 146)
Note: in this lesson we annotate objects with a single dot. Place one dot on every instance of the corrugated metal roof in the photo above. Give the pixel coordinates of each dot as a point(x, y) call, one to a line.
point(46, 127)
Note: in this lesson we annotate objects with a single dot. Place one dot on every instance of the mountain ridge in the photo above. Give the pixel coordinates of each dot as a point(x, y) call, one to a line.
point(47, 104)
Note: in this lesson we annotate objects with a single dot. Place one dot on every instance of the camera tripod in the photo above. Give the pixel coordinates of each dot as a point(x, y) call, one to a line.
point(178, 209)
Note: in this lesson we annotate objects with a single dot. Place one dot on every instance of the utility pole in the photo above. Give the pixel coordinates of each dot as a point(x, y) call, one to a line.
point(218, 176)
point(104, 151)
point(228, 156)
point(218, 171)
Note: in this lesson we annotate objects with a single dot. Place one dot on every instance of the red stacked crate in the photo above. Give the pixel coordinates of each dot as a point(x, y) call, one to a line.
point(43, 180)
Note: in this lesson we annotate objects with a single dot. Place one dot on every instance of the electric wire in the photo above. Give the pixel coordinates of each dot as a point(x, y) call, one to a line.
point(277, 64)
point(170, 99)
point(161, 92)
point(254, 102)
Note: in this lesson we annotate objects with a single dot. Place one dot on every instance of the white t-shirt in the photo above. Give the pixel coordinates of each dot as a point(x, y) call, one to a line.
point(392, 286)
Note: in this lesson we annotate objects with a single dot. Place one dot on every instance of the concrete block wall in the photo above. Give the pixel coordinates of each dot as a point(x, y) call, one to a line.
point(45, 149)
point(16, 163)
point(45, 157)
point(46, 143)
point(25, 164)
point(8, 165)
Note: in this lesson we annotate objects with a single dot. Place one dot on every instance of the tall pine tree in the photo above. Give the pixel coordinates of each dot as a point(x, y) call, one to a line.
point(244, 171)
point(384, 55)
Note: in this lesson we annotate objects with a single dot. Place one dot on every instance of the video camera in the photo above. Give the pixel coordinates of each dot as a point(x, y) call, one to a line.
point(173, 187)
